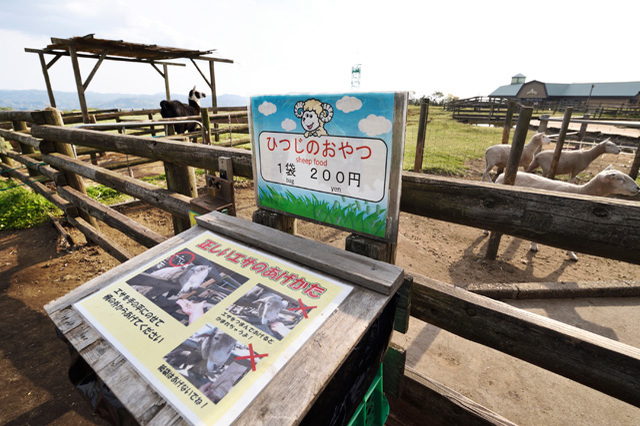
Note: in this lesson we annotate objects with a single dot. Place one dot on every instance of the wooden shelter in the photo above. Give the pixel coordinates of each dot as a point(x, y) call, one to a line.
point(117, 50)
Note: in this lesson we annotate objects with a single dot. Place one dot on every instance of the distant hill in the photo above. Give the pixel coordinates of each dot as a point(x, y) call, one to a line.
point(29, 100)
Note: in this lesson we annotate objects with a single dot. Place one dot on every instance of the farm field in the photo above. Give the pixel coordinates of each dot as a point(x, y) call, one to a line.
point(35, 269)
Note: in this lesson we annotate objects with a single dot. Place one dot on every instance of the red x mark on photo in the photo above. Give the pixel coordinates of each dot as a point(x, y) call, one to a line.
point(252, 355)
point(303, 308)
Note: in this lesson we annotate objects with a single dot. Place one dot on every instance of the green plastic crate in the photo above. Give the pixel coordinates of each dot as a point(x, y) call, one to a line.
point(374, 408)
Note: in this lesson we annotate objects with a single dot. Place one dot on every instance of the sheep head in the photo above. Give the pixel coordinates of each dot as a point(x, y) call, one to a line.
point(617, 182)
point(313, 115)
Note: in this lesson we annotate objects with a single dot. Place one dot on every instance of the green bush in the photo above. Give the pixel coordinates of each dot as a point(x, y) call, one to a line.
point(21, 208)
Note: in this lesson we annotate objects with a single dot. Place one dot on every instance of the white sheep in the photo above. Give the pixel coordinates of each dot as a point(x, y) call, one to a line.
point(498, 155)
point(572, 162)
point(607, 182)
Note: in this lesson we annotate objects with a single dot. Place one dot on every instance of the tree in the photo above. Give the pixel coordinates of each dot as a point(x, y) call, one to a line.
point(436, 98)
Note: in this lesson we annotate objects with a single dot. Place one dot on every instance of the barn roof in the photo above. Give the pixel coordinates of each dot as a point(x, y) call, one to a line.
point(623, 89)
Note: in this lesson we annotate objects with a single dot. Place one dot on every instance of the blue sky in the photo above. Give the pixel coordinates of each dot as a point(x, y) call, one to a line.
point(464, 48)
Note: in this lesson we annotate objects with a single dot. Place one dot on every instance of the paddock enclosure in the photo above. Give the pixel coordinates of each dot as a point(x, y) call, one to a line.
point(43, 157)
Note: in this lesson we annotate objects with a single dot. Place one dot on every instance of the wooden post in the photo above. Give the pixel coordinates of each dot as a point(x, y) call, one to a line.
point(47, 81)
point(206, 126)
point(165, 68)
point(633, 173)
point(544, 122)
point(519, 138)
point(54, 117)
point(508, 119)
point(583, 127)
point(274, 220)
point(79, 85)
point(422, 128)
point(214, 95)
point(21, 126)
point(563, 133)
point(181, 179)
point(369, 247)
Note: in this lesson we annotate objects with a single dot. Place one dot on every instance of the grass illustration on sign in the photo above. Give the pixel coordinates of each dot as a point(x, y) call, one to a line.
point(326, 158)
point(357, 216)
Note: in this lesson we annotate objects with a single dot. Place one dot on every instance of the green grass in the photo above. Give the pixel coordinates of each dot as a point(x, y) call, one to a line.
point(359, 215)
point(22, 208)
point(449, 145)
point(106, 195)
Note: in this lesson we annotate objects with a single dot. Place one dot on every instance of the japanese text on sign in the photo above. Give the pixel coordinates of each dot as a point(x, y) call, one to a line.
point(346, 166)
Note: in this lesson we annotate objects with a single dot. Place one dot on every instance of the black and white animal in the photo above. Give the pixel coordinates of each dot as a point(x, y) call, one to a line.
point(173, 109)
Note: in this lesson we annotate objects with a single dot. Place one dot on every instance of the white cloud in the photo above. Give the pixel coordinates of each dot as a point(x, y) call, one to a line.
point(289, 125)
point(349, 104)
point(374, 125)
point(267, 108)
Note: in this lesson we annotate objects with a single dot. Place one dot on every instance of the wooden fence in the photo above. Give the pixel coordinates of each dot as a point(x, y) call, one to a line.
point(603, 227)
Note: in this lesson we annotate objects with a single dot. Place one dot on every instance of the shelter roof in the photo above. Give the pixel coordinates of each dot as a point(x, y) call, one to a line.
point(119, 48)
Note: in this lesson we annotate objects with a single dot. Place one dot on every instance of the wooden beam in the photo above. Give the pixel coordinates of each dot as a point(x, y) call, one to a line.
point(372, 274)
point(176, 204)
point(79, 85)
point(21, 138)
point(440, 404)
point(94, 70)
point(600, 363)
point(60, 53)
point(93, 234)
point(111, 217)
point(560, 142)
point(187, 154)
point(47, 80)
point(599, 226)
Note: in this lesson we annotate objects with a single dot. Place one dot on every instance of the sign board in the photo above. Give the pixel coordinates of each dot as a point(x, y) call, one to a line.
point(209, 322)
point(335, 159)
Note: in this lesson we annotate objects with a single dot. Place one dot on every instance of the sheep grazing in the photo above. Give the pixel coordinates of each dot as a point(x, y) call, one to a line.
point(572, 162)
point(498, 155)
point(607, 182)
point(173, 109)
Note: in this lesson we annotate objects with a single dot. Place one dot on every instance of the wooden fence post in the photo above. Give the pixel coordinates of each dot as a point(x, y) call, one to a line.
point(563, 133)
point(275, 220)
point(422, 129)
point(206, 126)
point(633, 173)
point(181, 179)
point(544, 122)
point(519, 138)
point(583, 127)
point(54, 117)
point(508, 119)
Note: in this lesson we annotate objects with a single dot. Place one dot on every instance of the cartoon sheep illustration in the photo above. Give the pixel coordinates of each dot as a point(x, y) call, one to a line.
point(314, 115)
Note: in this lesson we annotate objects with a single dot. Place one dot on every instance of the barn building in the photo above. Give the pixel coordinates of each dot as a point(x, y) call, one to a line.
point(537, 92)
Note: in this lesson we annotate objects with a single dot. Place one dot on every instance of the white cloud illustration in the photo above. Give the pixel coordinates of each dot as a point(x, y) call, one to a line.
point(288, 125)
point(374, 125)
point(348, 104)
point(267, 108)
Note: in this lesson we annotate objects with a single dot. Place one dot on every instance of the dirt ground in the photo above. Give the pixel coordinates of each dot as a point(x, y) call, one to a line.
point(35, 268)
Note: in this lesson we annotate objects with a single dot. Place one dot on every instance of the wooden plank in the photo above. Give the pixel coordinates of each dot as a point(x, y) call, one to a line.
point(443, 405)
point(603, 364)
point(129, 227)
point(369, 273)
point(599, 226)
point(39, 167)
point(158, 197)
point(108, 245)
point(195, 155)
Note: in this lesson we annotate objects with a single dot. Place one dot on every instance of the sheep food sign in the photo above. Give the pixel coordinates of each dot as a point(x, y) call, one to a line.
point(209, 322)
point(334, 159)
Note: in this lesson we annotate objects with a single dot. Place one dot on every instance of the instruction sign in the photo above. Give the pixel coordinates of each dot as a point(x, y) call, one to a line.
point(210, 322)
point(334, 159)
